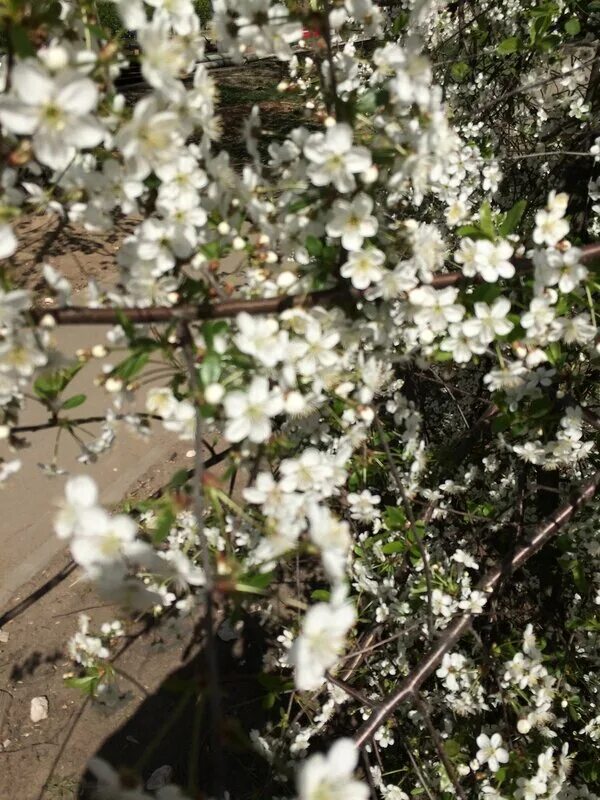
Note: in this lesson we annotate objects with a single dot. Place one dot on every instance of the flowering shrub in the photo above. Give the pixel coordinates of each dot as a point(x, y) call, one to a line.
point(404, 377)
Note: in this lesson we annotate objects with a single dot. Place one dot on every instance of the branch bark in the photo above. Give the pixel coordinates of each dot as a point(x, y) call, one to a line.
point(77, 315)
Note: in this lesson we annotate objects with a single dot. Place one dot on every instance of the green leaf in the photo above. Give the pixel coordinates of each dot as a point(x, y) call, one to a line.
point(472, 231)
point(540, 407)
point(393, 547)
point(572, 26)
point(299, 204)
point(501, 423)
point(486, 293)
point(86, 684)
point(485, 220)
point(179, 479)
point(257, 581)
point(50, 384)
point(73, 402)
point(459, 71)
point(579, 577)
point(125, 323)
point(164, 523)
point(210, 368)
point(512, 218)
point(131, 366)
point(321, 595)
point(314, 246)
point(212, 250)
point(367, 102)
point(20, 41)
point(508, 46)
point(395, 518)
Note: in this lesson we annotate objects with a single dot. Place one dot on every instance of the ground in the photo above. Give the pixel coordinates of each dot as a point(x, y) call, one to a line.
point(45, 760)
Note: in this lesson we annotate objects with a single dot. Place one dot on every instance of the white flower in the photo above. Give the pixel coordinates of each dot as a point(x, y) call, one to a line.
point(435, 309)
point(491, 751)
point(54, 110)
point(532, 452)
point(474, 603)
point(152, 138)
point(353, 221)
point(321, 641)
point(329, 777)
point(249, 413)
point(102, 540)
point(489, 321)
point(162, 402)
point(81, 494)
point(530, 788)
point(550, 227)
point(332, 537)
point(554, 267)
point(450, 669)
point(364, 267)
point(8, 468)
point(334, 159)
point(182, 420)
point(491, 261)
point(442, 604)
point(538, 319)
point(315, 350)
point(8, 241)
point(109, 782)
point(363, 506)
point(261, 338)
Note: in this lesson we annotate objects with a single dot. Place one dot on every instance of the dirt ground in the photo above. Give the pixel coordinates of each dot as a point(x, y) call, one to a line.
point(45, 760)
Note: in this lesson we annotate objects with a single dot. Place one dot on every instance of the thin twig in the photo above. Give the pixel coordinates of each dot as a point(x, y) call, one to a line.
point(412, 524)
point(214, 689)
point(419, 773)
point(439, 745)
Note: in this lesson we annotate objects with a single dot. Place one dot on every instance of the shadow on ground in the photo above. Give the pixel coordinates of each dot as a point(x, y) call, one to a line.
point(172, 727)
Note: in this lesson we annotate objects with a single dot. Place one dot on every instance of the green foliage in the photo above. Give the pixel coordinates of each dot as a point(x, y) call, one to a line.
point(109, 17)
point(204, 10)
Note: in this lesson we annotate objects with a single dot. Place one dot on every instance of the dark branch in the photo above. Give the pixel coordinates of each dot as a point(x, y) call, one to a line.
point(77, 315)
point(528, 546)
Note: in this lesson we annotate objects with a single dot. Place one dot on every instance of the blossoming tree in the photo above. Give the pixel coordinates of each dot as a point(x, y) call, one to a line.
point(403, 373)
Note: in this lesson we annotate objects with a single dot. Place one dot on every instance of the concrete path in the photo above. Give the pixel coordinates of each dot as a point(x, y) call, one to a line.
point(28, 501)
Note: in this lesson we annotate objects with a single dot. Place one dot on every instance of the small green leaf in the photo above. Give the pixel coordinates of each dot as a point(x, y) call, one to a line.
point(393, 547)
point(321, 595)
point(131, 366)
point(512, 218)
point(471, 231)
point(164, 523)
point(485, 220)
point(572, 26)
point(86, 684)
point(579, 577)
point(179, 479)
point(210, 368)
point(459, 71)
point(257, 581)
point(367, 102)
point(395, 518)
point(73, 402)
point(508, 46)
point(314, 246)
point(20, 41)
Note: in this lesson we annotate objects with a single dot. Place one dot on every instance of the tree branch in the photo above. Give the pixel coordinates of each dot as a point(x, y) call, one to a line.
point(527, 547)
point(79, 315)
